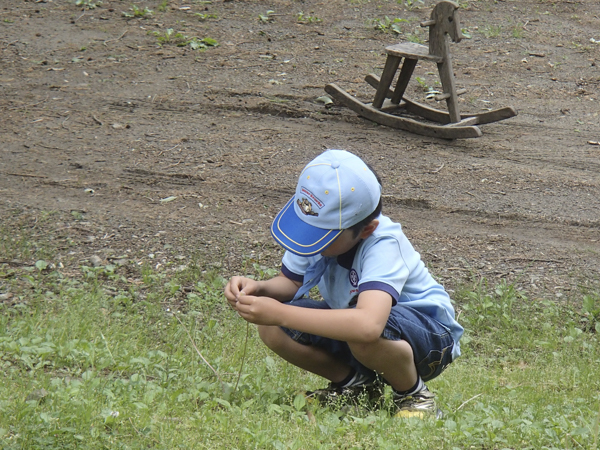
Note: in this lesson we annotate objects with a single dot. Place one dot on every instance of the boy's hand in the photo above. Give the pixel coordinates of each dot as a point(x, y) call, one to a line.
point(237, 287)
point(259, 310)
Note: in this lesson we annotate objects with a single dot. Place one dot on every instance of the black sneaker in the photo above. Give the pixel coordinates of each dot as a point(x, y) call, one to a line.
point(364, 388)
point(420, 404)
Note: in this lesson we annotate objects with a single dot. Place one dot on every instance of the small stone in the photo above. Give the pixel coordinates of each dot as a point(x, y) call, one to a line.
point(95, 261)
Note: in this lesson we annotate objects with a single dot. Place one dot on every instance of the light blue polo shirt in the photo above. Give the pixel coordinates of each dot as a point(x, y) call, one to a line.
point(385, 261)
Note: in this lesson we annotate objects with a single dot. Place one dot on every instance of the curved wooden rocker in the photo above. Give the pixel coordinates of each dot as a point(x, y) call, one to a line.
point(451, 124)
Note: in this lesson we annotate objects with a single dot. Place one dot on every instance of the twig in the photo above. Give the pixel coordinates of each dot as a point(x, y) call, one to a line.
point(168, 150)
point(200, 354)
point(523, 258)
point(50, 148)
point(243, 356)
point(175, 164)
point(438, 169)
point(15, 263)
point(98, 121)
point(117, 39)
point(25, 175)
point(472, 398)
point(83, 14)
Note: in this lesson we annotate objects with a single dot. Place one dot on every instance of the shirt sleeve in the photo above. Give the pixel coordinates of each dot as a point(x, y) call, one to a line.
point(294, 266)
point(386, 266)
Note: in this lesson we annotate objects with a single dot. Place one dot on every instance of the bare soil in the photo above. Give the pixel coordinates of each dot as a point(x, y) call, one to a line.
point(102, 126)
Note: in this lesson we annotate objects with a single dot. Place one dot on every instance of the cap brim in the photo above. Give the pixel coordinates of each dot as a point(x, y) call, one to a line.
point(297, 236)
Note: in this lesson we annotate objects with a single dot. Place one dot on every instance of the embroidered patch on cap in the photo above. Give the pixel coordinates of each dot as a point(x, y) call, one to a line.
point(306, 207)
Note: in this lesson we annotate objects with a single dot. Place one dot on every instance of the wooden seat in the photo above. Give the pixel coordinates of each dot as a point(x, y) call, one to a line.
point(411, 50)
point(444, 21)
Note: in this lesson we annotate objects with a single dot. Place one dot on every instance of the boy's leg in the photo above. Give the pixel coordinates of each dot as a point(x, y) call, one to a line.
point(393, 360)
point(418, 343)
point(307, 357)
point(413, 348)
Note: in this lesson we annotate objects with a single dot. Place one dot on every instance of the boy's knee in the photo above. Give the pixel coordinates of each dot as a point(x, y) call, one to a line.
point(361, 350)
point(381, 348)
point(270, 335)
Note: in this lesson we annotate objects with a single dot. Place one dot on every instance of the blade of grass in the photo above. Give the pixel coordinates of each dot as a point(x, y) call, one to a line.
point(200, 354)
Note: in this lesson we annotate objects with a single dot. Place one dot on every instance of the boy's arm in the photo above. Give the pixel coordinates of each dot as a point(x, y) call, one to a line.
point(365, 323)
point(279, 288)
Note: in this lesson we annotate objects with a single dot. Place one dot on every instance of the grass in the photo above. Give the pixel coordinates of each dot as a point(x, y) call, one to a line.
point(115, 357)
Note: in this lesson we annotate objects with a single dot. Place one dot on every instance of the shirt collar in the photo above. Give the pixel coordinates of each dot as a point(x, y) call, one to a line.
point(346, 259)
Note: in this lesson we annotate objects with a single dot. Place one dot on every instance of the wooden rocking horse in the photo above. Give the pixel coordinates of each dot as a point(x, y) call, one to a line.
point(454, 125)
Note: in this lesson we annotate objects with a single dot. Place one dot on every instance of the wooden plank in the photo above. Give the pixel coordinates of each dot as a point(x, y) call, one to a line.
point(408, 67)
point(495, 115)
point(401, 123)
point(440, 116)
point(447, 78)
point(435, 115)
point(464, 122)
point(411, 50)
point(391, 66)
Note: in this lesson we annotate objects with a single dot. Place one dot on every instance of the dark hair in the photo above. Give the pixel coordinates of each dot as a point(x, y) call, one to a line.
point(358, 227)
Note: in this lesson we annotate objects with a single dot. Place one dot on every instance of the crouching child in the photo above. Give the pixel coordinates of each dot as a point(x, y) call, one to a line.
point(383, 318)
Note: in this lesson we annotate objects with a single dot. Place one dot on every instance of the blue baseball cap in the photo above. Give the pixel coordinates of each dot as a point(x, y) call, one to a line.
point(335, 191)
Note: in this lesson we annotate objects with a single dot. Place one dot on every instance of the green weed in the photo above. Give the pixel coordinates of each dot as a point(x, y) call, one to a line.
point(386, 24)
point(172, 37)
point(266, 17)
point(137, 12)
point(88, 4)
point(203, 16)
point(306, 19)
point(492, 31)
point(410, 4)
point(162, 7)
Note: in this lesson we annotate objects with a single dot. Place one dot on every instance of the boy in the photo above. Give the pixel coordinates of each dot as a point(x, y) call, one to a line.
point(383, 315)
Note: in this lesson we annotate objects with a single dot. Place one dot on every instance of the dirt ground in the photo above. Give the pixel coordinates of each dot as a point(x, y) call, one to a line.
point(118, 148)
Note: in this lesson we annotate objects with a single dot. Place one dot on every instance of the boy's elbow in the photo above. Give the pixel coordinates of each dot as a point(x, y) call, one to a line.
point(371, 333)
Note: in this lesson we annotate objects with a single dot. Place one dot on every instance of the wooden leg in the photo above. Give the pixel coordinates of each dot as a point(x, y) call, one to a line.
point(391, 66)
point(408, 66)
point(447, 78)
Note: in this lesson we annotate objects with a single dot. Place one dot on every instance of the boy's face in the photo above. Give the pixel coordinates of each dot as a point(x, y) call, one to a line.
point(344, 242)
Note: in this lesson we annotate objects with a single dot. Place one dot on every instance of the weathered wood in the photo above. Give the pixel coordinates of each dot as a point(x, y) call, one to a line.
point(447, 78)
point(406, 72)
point(391, 66)
point(464, 122)
point(495, 115)
point(411, 50)
point(437, 115)
point(402, 123)
point(444, 21)
point(441, 97)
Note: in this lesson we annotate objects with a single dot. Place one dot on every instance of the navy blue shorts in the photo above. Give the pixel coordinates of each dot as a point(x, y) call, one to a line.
point(431, 342)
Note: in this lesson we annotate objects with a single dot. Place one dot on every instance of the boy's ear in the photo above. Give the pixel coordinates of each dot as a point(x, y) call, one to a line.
point(369, 229)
